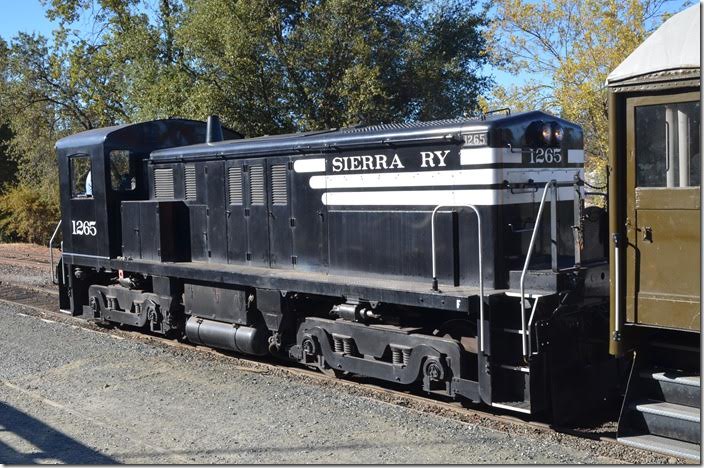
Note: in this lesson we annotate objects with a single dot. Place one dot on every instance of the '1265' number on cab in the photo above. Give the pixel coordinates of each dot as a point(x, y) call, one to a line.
point(84, 228)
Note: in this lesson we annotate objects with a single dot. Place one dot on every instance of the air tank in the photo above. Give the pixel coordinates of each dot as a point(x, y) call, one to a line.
point(245, 340)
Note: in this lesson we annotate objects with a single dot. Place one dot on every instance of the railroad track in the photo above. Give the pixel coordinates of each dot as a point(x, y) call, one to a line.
point(40, 299)
point(32, 260)
point(43, 303)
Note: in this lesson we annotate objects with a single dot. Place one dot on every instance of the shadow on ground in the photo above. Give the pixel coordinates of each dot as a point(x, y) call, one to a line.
point(26, 440)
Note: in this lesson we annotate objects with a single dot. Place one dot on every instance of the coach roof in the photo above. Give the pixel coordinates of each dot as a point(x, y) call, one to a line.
point(671, 52)
point(385, 134)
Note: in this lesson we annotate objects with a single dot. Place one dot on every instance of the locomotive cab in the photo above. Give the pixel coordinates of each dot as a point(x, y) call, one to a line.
point(101, 168)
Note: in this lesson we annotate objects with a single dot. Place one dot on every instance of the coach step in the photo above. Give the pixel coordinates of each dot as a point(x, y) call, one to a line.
point(675, 448)
point(673, 387)
point(669, 419)
point(661, 411)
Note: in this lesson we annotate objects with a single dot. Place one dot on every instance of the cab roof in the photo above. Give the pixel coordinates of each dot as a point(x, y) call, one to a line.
point(142, 136)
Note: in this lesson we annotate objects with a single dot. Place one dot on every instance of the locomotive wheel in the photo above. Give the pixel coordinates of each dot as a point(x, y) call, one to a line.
point(461, 330)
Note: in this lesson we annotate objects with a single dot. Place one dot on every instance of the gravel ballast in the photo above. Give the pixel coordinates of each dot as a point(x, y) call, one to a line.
point(72, 392)
point(94, 398)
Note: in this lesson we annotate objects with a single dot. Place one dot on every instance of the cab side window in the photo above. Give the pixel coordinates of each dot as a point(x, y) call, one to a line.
point(81, 180)
point(668, 145)
point(122, 171)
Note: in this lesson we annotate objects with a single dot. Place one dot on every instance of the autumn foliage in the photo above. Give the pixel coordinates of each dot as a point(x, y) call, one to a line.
point(28, 214)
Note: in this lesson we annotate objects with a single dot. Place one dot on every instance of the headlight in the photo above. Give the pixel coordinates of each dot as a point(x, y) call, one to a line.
point(546, 133)
point(558, 132)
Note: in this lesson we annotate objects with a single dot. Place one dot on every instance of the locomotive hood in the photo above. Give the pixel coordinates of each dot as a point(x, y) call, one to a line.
point(510, 130)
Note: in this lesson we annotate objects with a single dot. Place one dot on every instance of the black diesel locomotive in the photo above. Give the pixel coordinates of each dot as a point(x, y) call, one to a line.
point(456, 256)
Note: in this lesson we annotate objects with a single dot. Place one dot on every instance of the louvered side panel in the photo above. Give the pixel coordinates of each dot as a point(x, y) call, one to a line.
point(279, 185)
point(164, 184)
point(190, 181)
point(234, 186)
point(256, 185)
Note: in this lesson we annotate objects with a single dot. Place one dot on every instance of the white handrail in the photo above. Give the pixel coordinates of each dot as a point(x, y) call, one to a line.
point(536, 227)
point(617, 287)
point(51, 253)
point(530, 322)
point(481, 263)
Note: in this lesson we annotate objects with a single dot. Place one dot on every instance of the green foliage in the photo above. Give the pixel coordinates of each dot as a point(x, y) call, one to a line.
point(270, 66)
point(28, 213)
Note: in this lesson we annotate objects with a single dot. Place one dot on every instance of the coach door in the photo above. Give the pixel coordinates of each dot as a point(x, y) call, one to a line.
point(662, 225)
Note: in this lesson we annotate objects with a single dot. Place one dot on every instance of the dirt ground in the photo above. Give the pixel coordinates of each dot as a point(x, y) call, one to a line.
point(26, 264)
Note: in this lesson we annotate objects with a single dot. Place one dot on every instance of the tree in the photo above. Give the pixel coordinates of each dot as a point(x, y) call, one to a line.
point(570, 46)
point(270, 66)
point(266, 66)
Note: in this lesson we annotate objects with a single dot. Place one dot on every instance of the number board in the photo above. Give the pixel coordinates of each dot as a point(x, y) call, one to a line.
point(474, 139)
point(544, 157)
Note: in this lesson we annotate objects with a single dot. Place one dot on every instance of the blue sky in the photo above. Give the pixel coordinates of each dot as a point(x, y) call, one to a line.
point(23, 15)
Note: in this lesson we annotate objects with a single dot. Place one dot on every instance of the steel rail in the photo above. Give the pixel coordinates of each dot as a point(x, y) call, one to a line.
point(24, 295)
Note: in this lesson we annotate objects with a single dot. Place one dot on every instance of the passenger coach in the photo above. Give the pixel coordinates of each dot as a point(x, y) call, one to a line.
point(655, 216)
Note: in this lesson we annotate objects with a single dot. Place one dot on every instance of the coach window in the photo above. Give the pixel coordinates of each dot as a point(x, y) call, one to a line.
point(122, 173)
point(81, 180)
point(667, 145)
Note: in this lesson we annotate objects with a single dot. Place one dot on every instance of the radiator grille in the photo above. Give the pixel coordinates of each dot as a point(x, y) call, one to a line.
point(190, 178)
point(164, 183)
point(256, 185)
point(234, 185)
point(279, 191)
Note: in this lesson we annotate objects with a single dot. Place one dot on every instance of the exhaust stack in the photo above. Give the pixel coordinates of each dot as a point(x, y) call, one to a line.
point(214, 130)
